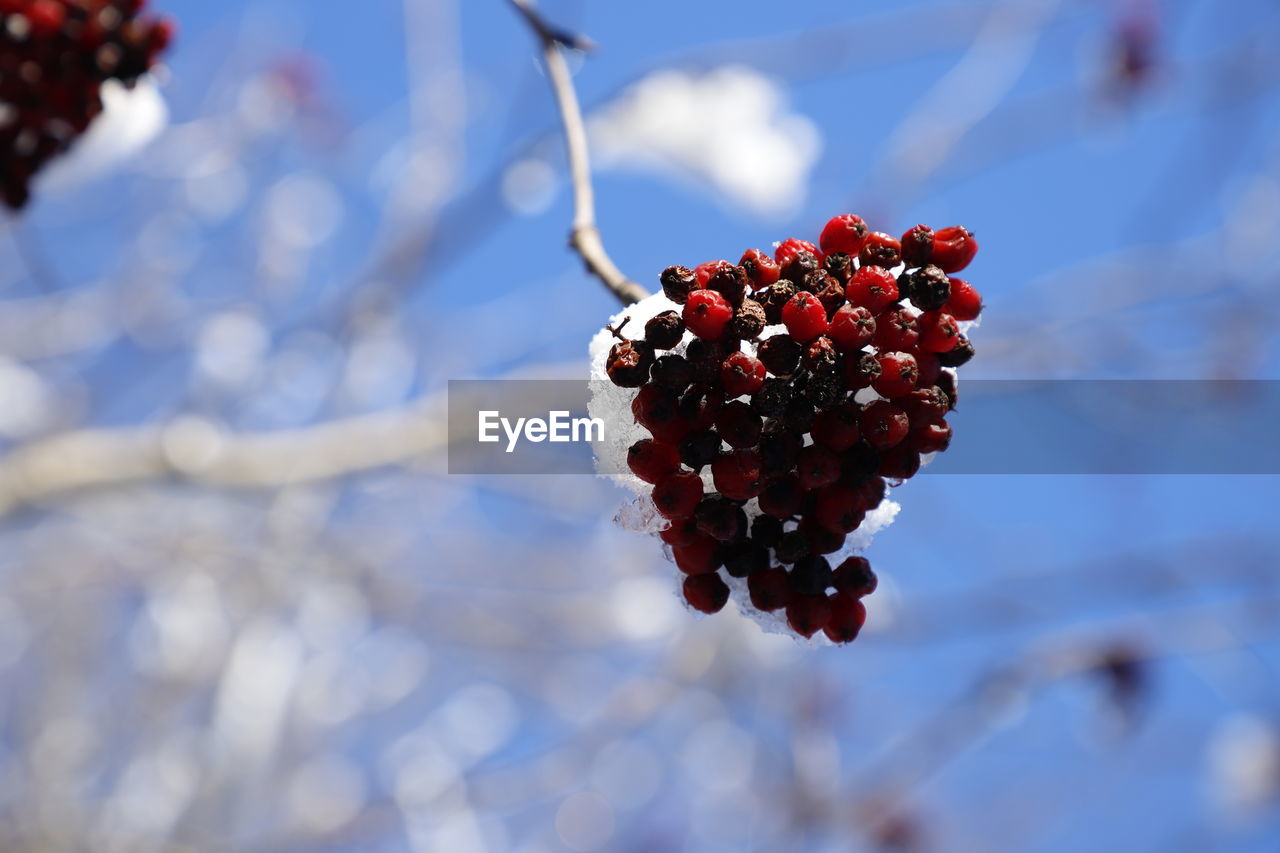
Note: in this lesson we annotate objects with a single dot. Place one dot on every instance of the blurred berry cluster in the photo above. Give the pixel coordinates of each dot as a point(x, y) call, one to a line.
point(806, 382)
point(54, 57)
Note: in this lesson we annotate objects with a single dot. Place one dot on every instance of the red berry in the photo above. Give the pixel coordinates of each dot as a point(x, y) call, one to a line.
point(761, 269)
point(917, 246)
point(883, 424)
point(706, 313)
point(701, 557)
point(818, 466)
point(737, 474)
point(707, 593)
point(931, 436)
point(854, 577)
point(898, 374)
point(658, 411)
point(770, 589)
point(880, 250)
point(965, 303)
point(651, 460)
point(874, 288)
point(677, 496)
point(741, 374)
point(845, 234)
point(789, 248)
point(808, 614)
point(682, 531)
point(896, 329)
point(929, 367)
point(852, 327)
point(837, 428)
point(938, 331)
point(899, 463)
point(46, 17)
point(953, 248)
point(805, 317)
point(703, 272)
point(839, 509)
point(847, 616)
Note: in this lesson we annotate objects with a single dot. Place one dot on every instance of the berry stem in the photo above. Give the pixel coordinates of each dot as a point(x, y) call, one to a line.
point(584, 237)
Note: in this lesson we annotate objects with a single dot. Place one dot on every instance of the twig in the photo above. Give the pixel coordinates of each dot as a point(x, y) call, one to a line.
point(585, 236)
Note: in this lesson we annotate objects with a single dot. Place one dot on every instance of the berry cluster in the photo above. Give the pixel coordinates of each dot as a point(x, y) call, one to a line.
point(54, 57)
point(797, 387)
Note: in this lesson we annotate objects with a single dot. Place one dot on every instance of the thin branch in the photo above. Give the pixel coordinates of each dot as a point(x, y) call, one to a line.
point(585, 236)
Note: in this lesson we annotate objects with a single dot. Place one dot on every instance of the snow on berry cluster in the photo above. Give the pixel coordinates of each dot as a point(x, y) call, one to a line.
point(770, 403)
point(54, 57)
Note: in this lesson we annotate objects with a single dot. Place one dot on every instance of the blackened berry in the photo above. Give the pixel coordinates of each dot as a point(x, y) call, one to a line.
point(705, 358)
point(792, 546)
point(928, 288)
point(746, 558)
point(947, 385)
point(773, 398)
point(780, 354)
point(779, 451)
point(773, 298)
point(781, 498)
point(958, 355)
point(748, 321)
point(859, 464)
point(707, 593)
point(811, 575)
point(664, 331)
point(861, 371)
point(799, 415)
point(738, 425)
point(677, 282)
point(822, 390)
point(820, 356)
point(699, 449)
point(672, 372)
point(831, 295)
point(836, 428)
point(766, 530)
point(730, 282)
point(818, 466)
point(799, 266)
point(721, 519)
point(839, 265)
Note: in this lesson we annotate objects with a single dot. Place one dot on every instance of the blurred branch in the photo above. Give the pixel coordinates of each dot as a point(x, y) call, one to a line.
point(585, 235)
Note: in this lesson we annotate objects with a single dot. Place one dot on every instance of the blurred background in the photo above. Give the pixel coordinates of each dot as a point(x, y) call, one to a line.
point(243, 607)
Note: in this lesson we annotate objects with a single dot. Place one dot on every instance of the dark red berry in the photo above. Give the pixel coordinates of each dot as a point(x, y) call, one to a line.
point(899, 374)
point(847, 616)
point(761, 269)
point(744, 559)
point(770, 589)
point(896, 329)
point(929, 368)
point(820, 356)
point(852, 327)
point(658, 411)
point(837, 428)
point(854, 577)
point(781, 498)
point(652, 460)
point(818, 466)
point(765, 531)
point(930, 436)
point(965, 303)
point(883, 424)
point(839, 509)
point(808, 614)
point(811, 575)
point(899, 463)
point(681, 531)
point(741, 374)
point(706, 313)
point(792, 546)
point(917, 246)
point(721, 519)
point(881, 250)
point(736, 474)
point(874, 288)
point(861, 371)
point(677, 283)
point(738, 424)
point(702, 556)
point(707, 593)
point(845, 233)
point(804, 317)
point(924, 403)
point(953, 248)
point(699, 449)
point(820, 539)
point(678, 495)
